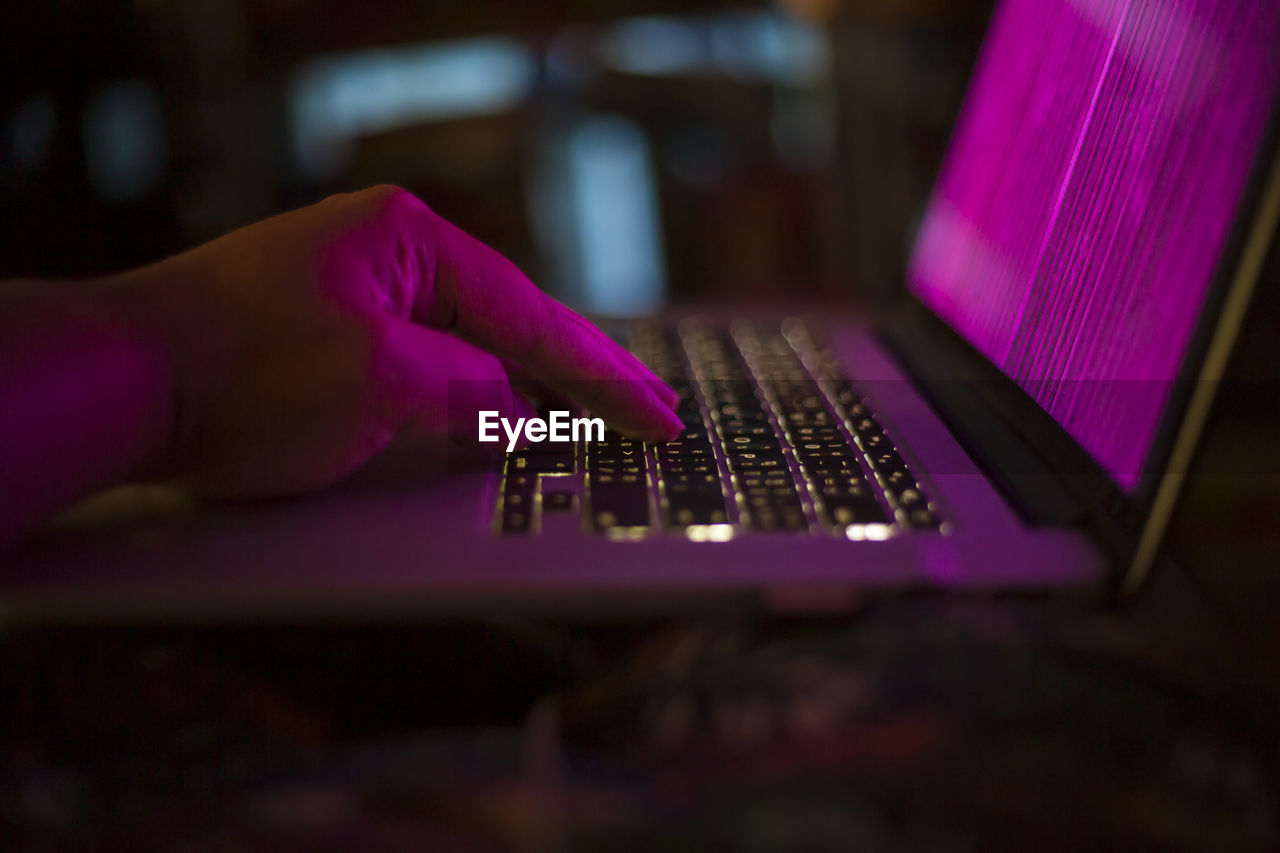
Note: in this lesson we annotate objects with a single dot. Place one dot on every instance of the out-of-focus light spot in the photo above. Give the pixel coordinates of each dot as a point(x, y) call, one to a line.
point(750, 46)
point(124, 139)
point(709, 532)
point(656, 46)
point(31, 133)
point(868, 532)
point(338, 98)
point(745, 47)
point(615, 217)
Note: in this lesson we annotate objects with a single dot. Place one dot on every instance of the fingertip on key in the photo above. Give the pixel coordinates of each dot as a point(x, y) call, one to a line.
point(672, 426)
point(660, 424)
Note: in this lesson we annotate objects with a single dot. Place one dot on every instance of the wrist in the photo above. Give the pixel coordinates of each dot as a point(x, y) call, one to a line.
point(86, 397)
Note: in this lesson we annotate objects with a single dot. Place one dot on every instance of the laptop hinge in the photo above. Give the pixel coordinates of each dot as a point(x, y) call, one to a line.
point(1042, 473)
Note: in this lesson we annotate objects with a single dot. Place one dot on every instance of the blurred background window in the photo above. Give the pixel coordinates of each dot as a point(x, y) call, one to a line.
point(336, 99)
point(618, 262)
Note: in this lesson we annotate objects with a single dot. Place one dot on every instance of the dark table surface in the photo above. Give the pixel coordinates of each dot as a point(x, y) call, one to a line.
point(918, 722)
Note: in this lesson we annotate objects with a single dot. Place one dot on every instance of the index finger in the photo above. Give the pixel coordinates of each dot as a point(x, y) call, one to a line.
point(473, 290)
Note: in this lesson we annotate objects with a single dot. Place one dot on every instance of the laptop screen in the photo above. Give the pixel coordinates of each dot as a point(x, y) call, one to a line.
point(1088, 191)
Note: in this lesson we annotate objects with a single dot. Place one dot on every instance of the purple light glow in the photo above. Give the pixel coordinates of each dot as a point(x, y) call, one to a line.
point(1087, 194)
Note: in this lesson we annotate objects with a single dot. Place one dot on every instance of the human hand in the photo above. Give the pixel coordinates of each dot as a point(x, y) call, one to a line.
point(302, 345)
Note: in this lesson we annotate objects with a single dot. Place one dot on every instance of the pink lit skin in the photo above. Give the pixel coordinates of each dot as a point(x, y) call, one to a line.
point(283, 356)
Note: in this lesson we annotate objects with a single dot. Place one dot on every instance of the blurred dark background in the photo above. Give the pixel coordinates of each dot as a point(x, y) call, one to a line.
point(627, 154)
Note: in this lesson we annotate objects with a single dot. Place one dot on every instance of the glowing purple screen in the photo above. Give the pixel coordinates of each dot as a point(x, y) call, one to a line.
point(1088, 191)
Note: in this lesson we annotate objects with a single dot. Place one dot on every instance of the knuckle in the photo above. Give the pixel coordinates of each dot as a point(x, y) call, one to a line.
point(392, 202)
point(386, 192)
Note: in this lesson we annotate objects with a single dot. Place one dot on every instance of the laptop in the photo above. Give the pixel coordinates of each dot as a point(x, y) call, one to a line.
point(1021, 422)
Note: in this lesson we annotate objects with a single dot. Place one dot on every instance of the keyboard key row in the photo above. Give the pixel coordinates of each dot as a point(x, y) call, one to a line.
point(841, 494)
point(782, 435)
point(911, 508)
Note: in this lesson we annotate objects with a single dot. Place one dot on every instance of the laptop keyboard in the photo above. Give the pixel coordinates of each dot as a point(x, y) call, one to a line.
point(776, 441)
